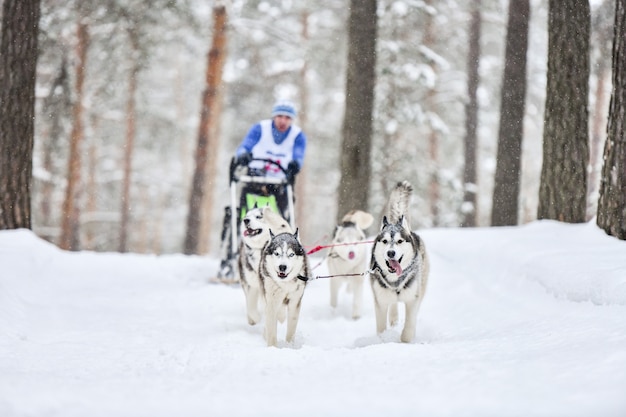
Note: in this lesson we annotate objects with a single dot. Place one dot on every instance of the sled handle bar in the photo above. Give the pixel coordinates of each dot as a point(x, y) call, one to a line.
point(259, 179)
point(264, 180)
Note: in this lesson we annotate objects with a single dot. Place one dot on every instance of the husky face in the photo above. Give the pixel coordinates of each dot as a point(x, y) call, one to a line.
point(393, 249)
point(284, 256)
point(256, 226)
point(345, 234)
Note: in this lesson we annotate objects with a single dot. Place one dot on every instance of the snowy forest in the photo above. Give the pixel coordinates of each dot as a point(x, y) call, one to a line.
point(120, 87)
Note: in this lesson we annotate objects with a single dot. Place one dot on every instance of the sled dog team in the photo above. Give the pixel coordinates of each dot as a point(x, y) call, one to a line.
point(274, 268)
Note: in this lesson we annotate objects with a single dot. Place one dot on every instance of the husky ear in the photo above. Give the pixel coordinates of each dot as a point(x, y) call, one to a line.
point(404, 222)
point(365, 220)
point(295, 235)
point(271, 234)
point(385, 221)
point(255, 205)
point(400, 221)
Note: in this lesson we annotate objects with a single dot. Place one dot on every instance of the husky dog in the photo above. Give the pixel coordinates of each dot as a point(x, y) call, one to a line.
point(399, 265)
point(283, 270)
point(255, 227)
point(348, 257)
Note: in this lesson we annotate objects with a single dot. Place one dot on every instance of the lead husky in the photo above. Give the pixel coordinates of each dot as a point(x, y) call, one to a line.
point(348, 257)
point(283, 270)
point(399, 265)
point(255, 227)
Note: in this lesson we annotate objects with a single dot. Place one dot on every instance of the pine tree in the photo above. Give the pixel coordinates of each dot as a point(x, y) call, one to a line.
point(471, 122)
point(357, 123)
point(563, 187)
point(18, 64)
point(208, 116)
point(507, 178)
point(612, 202)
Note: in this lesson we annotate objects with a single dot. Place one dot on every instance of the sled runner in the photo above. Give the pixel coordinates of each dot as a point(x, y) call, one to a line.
point(255, 188)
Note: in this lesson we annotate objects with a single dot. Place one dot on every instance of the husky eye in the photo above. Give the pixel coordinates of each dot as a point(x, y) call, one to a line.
point(400, 241)
point(276, 253)
point(385, 241)
point(291, 255)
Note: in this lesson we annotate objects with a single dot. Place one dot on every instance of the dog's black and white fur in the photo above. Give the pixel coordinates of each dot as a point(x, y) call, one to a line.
point(255, 233)
point(283, 270)
point(399, 266)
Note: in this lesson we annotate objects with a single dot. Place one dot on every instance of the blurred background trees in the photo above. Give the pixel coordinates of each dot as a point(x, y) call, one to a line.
point(144, 75)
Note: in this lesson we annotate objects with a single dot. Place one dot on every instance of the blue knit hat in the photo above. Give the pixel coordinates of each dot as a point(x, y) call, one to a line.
point(284, 108)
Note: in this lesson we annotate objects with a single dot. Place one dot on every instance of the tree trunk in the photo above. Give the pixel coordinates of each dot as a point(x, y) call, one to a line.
point(70, 239)
point(209, 181)
point(92, 190)
point(131, 115)
point(56, 105)
point(563, 186)
point(357, 124)
point(434, 188)
point(215, 68)
point(598, 130)
point(300, 185)
point(18, 64)
point(505, 205)
point(612, 202)
point(470, 187)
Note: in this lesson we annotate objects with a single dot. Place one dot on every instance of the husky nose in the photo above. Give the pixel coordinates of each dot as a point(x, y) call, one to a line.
point(282, 268)
point(391, 254)
point(246, 221)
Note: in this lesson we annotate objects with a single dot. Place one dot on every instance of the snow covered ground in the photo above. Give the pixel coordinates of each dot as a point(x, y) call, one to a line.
point(522, 321)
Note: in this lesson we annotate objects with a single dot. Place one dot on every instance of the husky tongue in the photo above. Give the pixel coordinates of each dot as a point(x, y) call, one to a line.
point(396, 266)
point(351, 255)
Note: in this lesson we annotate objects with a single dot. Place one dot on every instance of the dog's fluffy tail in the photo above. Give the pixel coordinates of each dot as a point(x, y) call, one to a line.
point(399, 200)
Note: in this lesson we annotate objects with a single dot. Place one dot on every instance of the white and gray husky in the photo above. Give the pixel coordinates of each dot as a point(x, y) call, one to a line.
point(348, 256)
point(255, 233)
point(283, 270)
point(399, 265)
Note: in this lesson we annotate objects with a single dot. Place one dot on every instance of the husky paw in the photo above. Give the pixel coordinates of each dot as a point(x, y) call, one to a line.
point(253, 319)
point(407, 335)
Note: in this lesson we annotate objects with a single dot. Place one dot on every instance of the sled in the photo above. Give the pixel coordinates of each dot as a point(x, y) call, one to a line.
point(240, 178)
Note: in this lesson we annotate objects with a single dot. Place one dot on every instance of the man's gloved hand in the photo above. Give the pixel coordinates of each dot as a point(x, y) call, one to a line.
point(244, 159)
point(292, 169)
